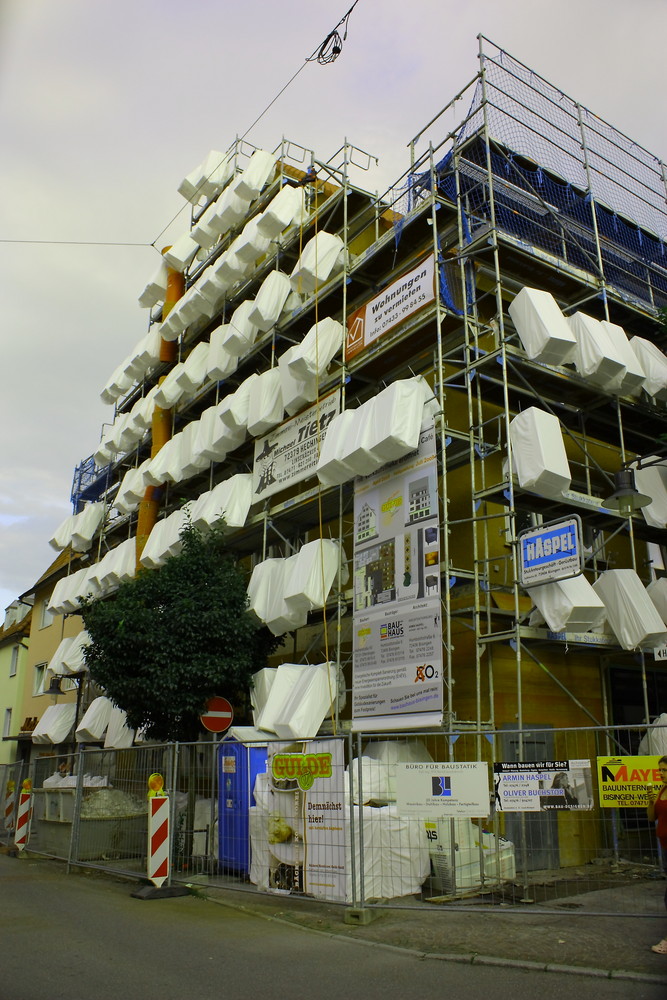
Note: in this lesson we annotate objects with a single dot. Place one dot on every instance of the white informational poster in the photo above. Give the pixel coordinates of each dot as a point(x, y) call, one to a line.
point(523, 786)
point(306, 819)
point(443, 788)
point(290, 453)
point(397, 627)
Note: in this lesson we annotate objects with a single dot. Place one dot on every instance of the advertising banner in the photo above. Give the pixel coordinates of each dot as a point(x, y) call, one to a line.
point(436, 789)
point(397, 630)
point(405, 296)
point(290, 453)
point(526, 786)
point(624, 782)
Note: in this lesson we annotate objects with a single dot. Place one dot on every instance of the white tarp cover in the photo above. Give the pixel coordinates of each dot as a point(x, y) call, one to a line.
point(542, 328)
point(63, 534)
point(313, 573)
point(233, 409)
point(230, 267)
point(141, 414)
point(132, 489)
point(155, 288)
point(322, 342)
point(538, 453)
point(207, 178)
point(117, 566)
point(241, 332)
point(118, 736)
point(285, 680)
point(202, 232)
point(118, 383)
point(230, 209)
point(270, 300)
point(220, 363)
point(633, 378)
point(181, 253)
point(74, 661)
point(214, 439)
point(321, 255)
point(55, 725)
point(190, 462)
point(285, 208)
point(657, 591)
point(78, 530)
point(331, 467)
point(261, 684)
point(568, 605)
point(170, 391)
point(56, 661)
point(65, 595)
point(164, 540)
point(257, 173)
point(95, 720)
point(250, 244)
point(296, 392)
point(265, 407)
point(652, 481)
point(266, 596)
point(304, 709)
point(630, 611)
point(595, 355)
point(230, 500)
point(213, 285)
point(654, 363)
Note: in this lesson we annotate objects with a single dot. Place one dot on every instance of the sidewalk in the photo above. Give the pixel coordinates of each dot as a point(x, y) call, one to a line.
point(574, 940)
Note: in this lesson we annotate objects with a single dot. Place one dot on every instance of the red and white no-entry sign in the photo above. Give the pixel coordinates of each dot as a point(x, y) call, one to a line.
point(218, 715)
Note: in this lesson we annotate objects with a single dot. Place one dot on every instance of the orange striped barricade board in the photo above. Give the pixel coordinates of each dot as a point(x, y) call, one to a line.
point(23, 817)
point(158, 839)
point(10, 795)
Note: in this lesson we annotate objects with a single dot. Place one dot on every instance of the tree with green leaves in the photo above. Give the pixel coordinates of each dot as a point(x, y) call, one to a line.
point(170, 639)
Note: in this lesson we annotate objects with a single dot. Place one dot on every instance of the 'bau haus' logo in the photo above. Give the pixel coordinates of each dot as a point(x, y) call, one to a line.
point(441, 785)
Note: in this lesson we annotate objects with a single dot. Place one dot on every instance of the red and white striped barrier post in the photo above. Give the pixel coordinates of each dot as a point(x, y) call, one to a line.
point(24, 815)
point(158, 831)
point(10, 795)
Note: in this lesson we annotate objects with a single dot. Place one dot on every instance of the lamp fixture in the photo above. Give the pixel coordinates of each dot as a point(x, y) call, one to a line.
point(626, 498)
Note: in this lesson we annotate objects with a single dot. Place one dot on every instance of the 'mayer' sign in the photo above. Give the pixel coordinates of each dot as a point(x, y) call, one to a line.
point(624, 781)
point(550, 552)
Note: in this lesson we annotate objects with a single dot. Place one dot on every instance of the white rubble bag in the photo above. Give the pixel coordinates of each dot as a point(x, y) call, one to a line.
point(631, 613)
point(257, 173)
point(542, 328)
point(285, 680)
point(265, 406)
point(321, 256)
point(269, 301)
point(288, 206)
point(632, 380)
point(538, 453)
point(568, 605)
point(595, 355)
point(306, 706)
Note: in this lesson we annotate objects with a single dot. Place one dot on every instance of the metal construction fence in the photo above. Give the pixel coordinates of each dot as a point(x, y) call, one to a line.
point(467, 818)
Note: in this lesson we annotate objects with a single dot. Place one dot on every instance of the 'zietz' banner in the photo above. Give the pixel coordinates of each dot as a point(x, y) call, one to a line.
point(624, 782)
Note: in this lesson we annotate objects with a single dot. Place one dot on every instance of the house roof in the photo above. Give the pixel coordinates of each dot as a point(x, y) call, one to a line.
point(62, 561)
point(17, 630)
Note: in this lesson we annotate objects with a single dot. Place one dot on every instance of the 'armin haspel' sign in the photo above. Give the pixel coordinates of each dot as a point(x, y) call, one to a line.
point(550, 552)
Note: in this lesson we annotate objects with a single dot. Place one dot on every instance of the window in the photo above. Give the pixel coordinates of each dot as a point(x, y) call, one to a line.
point(14, 661)
point(38, 679)
point(68, 684)
point(46, 616)
point(7, 725)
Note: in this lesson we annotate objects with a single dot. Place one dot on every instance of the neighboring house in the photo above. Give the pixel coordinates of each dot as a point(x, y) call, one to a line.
point(14, 640)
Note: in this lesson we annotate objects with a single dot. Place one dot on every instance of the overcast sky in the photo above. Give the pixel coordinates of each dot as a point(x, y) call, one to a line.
point(105, 106)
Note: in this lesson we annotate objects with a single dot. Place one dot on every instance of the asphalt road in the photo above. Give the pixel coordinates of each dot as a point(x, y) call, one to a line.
point(84, 937)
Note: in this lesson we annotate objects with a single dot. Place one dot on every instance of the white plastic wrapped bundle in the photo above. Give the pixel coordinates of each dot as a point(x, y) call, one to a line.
point(55, 664)
point(170, 391)
point(116, 386)
point(195, 366)
point(141, 414)
point(321, 256)
point(155, 288)
point(119, 736)
point(269, 301)
point(256, 175)
point(62, 536)
point(95, 720)
point(73, 661)
point(230, 209)
point(233, 409)
point(65, 596)
point(633, 378)
point(181, 254)
point(569, 605)
point(202, 232)
point(331, 467)
point(221, 363)
point(630, 611)
point(103, 455)
point(159, 468)
point(542, 328)
point(654, 363)
point(312, 356)
point(538, 452)
point(397, 417)
point(214, 286)
point(312, 576)
point(241, 333)
point(214, 439)
point(55, 725)
point(265, 408)
point(652, 481)
point(230, 499)
point(261, 684)
point(265, 596)
point(286, 677)
point(190, 461)
point(231, 268)
point(86, 525)
point(173, 326)
point(250, 244)
point(657, 591)
point(207, 178)
point(164, 540)
point(595, 355)
point(304, 709)
point(132, 489)
point(285, 208)
point(296, 392)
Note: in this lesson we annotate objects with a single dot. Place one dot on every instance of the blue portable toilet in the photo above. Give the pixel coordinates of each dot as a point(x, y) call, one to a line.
point(239, 764)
